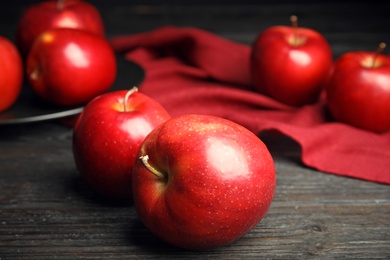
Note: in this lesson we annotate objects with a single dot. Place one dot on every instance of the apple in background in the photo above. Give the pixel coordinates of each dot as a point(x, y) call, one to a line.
point(289, 63)
point(107, 136)
point(11, 73)
point(358, 90)
point(202, 181)
point(69, 67)
point(45, 15)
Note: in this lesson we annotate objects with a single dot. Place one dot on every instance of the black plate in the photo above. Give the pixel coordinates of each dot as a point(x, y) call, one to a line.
point(29, 108)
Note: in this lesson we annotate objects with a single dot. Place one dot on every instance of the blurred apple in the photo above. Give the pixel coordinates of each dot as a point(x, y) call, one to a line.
point(69, 67)
point(45, 15)
point(358, 90)
point(289, 63)
point(11, 73)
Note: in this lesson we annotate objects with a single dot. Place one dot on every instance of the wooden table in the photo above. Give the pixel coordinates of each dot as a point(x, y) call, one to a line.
point(48, 212)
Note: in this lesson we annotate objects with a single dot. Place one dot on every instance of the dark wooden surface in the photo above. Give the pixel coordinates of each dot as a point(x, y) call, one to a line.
point(48, 212)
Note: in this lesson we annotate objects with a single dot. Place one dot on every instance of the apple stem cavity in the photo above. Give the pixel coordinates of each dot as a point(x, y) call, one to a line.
point(128, 94)
point(379, 50)
point(145, 161)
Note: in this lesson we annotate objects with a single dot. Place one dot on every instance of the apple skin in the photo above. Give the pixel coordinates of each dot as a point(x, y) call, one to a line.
point(202, 181)
point(69, 67)
point(290, 63)
point(106, 139)
point(358, 92)
point(11, 73)
point(45, 15)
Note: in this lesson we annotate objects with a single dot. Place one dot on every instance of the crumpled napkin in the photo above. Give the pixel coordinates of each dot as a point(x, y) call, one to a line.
point(189, 70)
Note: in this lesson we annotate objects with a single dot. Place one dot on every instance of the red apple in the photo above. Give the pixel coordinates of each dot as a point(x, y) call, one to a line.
point(11, 73)
point(69, 67)
point(289, 63)
point(45, 15)
point(202, 181)
point(107, 136)
point(358, 90)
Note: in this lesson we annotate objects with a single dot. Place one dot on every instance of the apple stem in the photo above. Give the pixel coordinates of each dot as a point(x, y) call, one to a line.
point(145, 161)
point(128, 94)
point(379, 50)
point(294, 24)
point(294, 21)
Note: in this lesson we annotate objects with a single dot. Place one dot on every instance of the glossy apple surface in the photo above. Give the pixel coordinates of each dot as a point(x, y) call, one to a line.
point(358, 90)
point(11, 73)
point(202, 181)
point(45, 15)
point(107, 136)
point(69, 67)
point(289, 64)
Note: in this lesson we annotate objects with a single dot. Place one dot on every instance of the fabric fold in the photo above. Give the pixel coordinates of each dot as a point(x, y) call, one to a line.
point(189, 70)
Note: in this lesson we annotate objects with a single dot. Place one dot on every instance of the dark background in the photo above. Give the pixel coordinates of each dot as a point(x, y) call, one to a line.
point(326, 15)
point(146, 2)
point(342, 22)
point(379, 4)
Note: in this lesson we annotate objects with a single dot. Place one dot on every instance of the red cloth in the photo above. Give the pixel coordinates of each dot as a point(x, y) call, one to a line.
point(189, 70)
